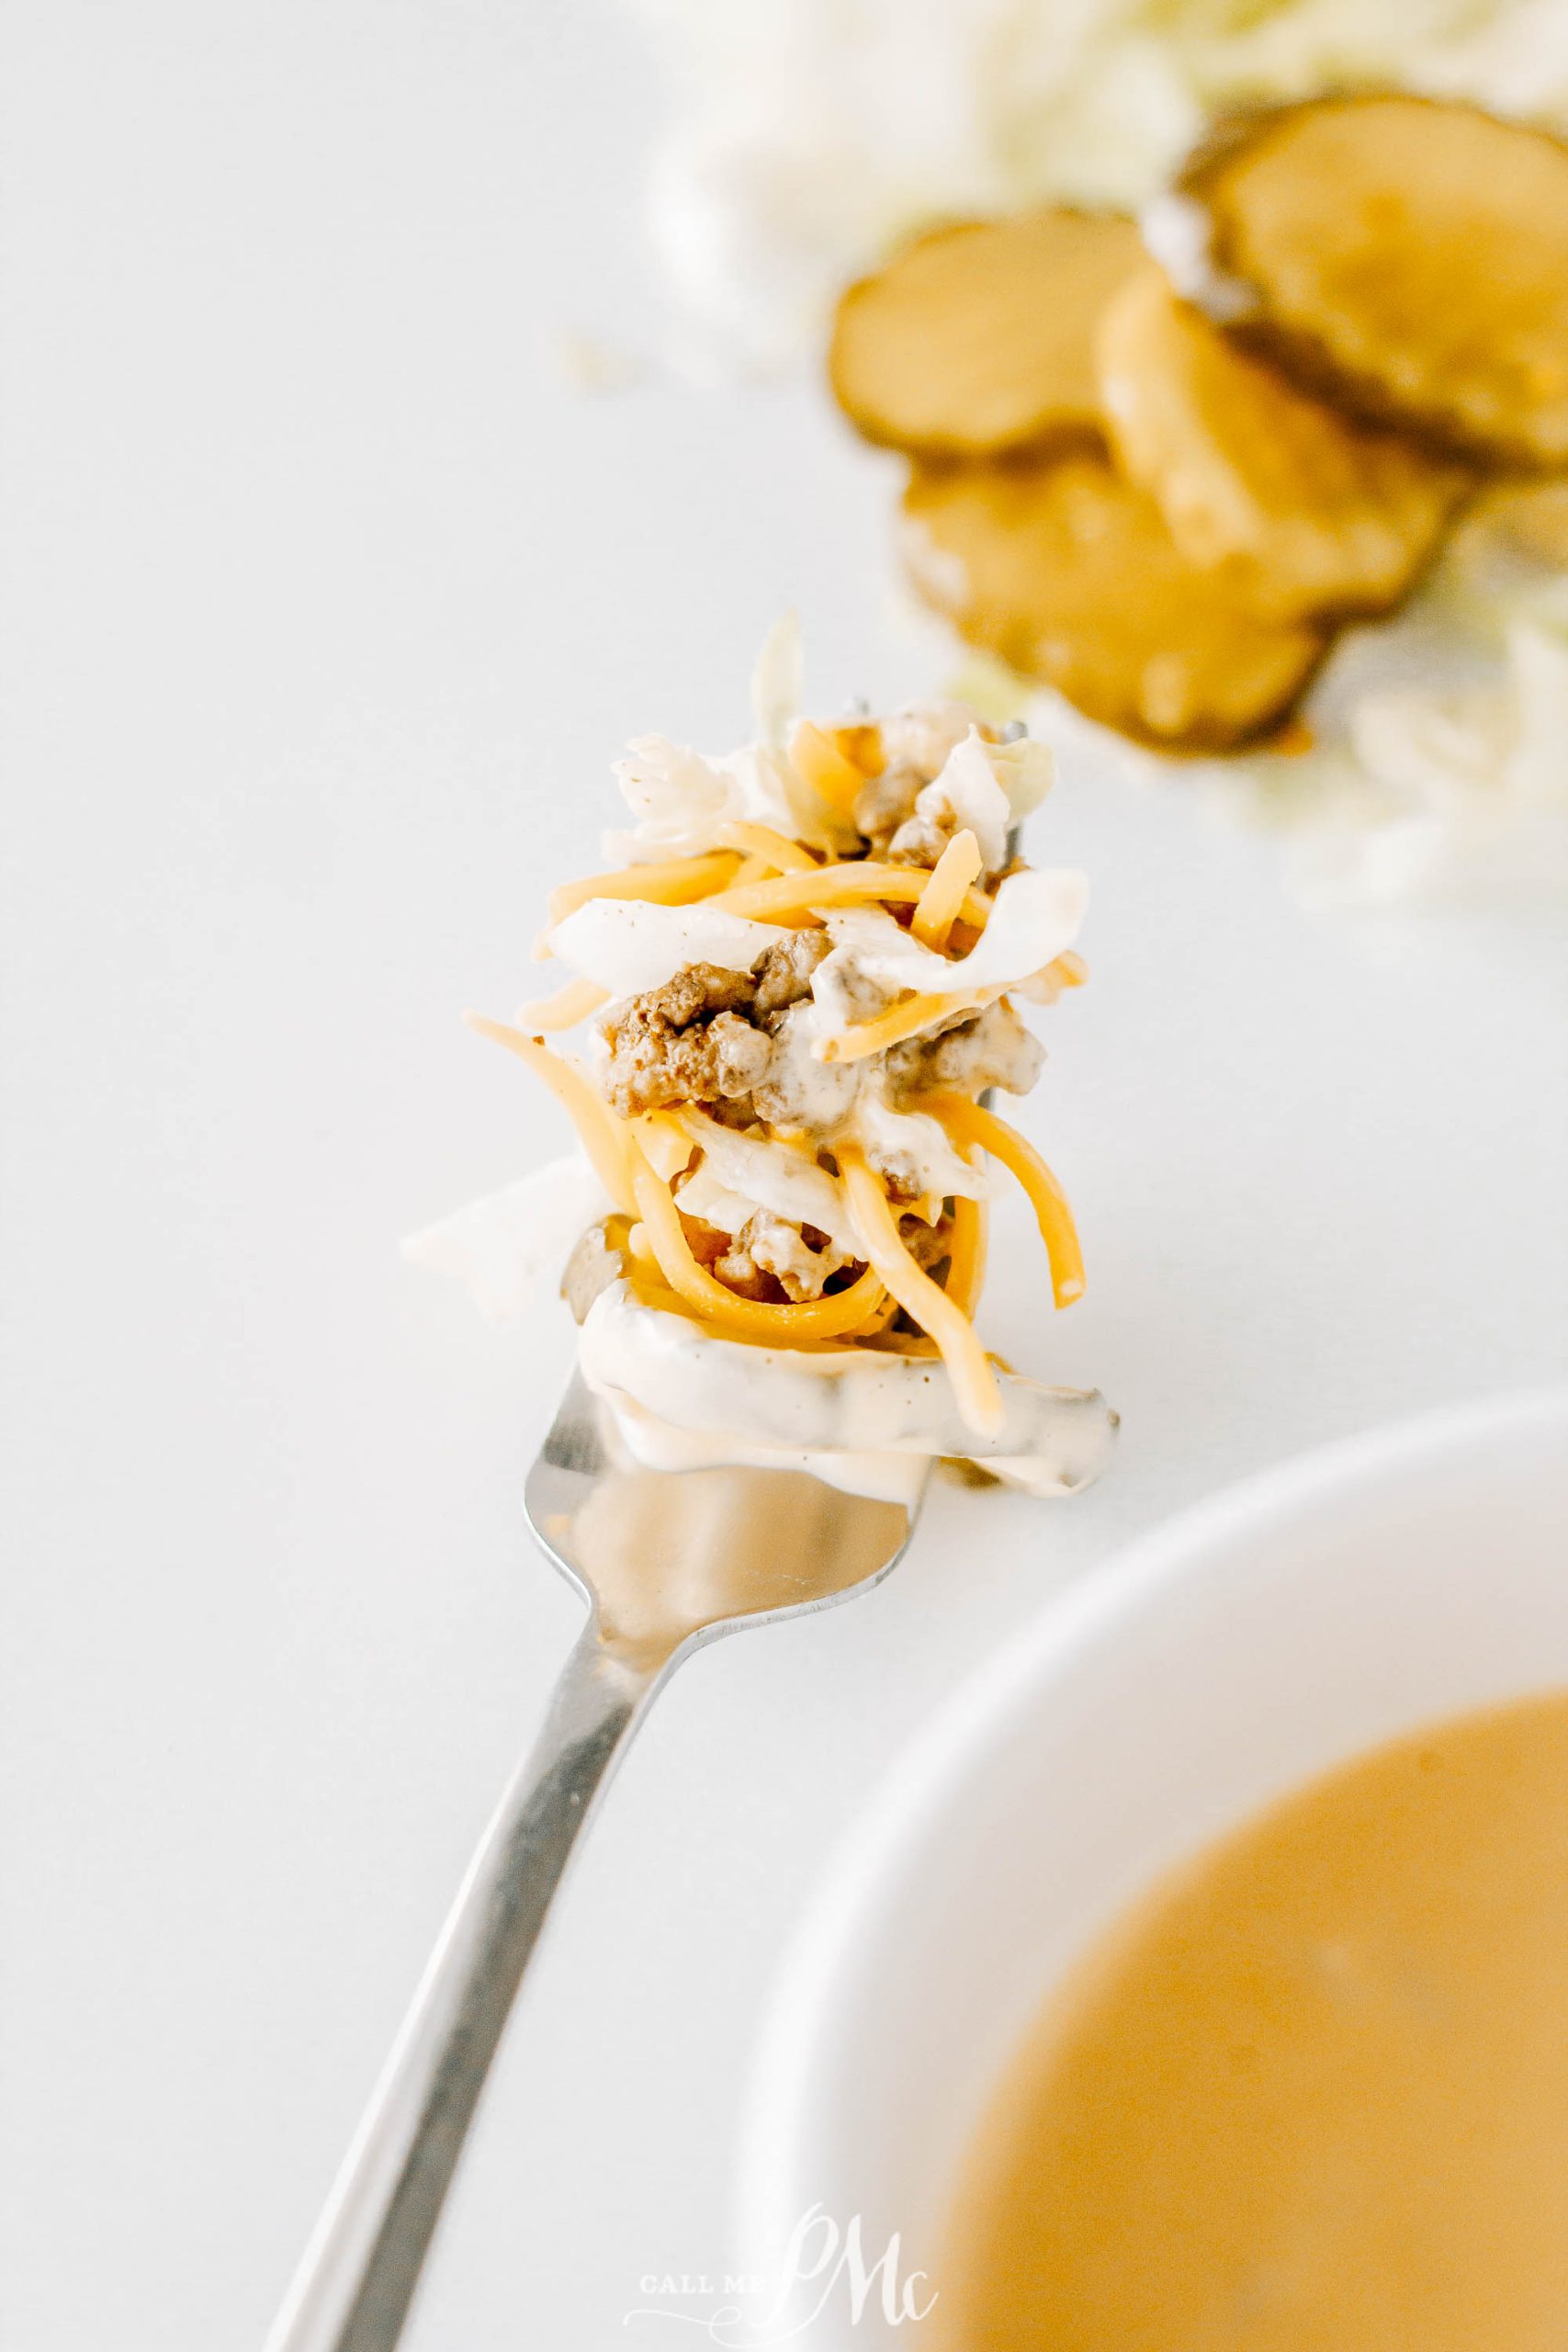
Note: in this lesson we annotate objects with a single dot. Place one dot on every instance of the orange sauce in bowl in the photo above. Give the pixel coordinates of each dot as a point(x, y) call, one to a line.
point(1312, 2094)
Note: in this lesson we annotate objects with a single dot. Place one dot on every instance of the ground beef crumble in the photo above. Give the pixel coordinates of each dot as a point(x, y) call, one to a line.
point(927, 1244)
point(988, 1048)
point(704, 1036)
point(784, 976)
point(883, 804)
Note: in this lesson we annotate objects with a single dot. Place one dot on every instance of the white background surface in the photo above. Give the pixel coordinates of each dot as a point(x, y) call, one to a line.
point(327, 600)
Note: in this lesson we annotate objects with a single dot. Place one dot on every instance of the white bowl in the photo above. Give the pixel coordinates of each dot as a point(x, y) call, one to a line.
point(1245, 1646)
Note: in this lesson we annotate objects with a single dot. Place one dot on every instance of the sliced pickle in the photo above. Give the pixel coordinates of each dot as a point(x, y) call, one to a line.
point(1307, 510)
point(981, 338)
point(1408, 255)
point(1066, 571)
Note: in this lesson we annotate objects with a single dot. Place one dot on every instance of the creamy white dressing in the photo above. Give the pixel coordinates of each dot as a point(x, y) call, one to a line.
point(835, 1402)
point(773, 1176)
point(801, 1090)
point(782, 1249)
point(659, 1444)
point(847, 1102)
point(912, 1147)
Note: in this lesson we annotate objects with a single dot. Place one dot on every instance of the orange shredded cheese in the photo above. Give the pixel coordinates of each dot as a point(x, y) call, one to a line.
point(605, 1139)
point(563, 1011)
point(974, 1383)
point(774, 849)
point(966, 1260)
point(861, 741)
point(784, 1326)
point(850, 879)
point(970, 1122)
point(877, 1321)
point(639, 1248)
point(937, 908)
point(823, 768)
point(677, 882)
point(905, 1019)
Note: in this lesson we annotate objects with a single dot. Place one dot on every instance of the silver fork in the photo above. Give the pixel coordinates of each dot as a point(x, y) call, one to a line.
point(666, 1561)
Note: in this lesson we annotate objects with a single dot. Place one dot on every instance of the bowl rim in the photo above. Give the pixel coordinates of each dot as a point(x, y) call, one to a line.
point(869, 1857)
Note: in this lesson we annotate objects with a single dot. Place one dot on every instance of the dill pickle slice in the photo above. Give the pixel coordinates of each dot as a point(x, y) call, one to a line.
point(1307, 510)
point(1066, 571)
point(980, 338)
point(1409, 256)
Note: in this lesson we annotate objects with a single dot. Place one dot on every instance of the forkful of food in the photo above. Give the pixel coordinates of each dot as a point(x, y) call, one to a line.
point(799, 983)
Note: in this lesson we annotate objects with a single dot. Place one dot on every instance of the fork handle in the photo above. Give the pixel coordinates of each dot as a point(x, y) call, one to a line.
point(357, 2281)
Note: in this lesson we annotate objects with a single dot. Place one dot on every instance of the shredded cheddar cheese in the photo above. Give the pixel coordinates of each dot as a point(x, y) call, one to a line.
point(966, 1260)
point(974, 1383)
point(604, 1139)
point(773, 849)
point(784, 1326)
point(823, 768)
point(905, 1019)
point(861, 741)
point(846, 883)
point(677, 882)
point(970, 1122)
point(936, 909)
point(563, 1011)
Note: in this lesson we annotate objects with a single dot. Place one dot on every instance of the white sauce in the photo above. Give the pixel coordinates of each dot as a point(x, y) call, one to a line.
point(772, 1176)
point(736, 1398)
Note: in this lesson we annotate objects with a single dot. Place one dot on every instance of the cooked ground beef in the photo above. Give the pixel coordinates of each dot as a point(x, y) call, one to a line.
point(687, 1042)
point(800, 1259)
point(927, 1244)
point(920, 841)
point(988, 1048)
point(724, 1255)
point(698, 1038)
point(740, 1271)
point(696, 994)
point(784, 976)
point(707, 1243)
point(882, 806)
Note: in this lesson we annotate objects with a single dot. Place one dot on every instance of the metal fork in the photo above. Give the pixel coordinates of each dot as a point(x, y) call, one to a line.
point(666, 1561)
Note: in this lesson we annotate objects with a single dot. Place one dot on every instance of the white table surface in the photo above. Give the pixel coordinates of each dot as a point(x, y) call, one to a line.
point(327, 600)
